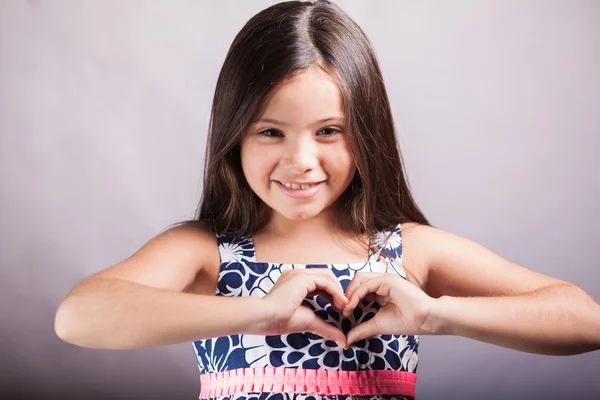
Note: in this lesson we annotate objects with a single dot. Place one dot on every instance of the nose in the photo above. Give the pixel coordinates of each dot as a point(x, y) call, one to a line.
point(300, 156)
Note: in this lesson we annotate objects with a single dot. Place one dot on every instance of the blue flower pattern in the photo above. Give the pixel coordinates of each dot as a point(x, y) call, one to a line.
point(241, 275)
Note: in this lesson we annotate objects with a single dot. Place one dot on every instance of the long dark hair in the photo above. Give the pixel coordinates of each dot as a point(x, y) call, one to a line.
point(274, 46)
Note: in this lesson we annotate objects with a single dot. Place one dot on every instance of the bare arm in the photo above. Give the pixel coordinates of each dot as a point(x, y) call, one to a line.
point(557, 320)
point(112, 313)
point(141, 301)
point(483, 296)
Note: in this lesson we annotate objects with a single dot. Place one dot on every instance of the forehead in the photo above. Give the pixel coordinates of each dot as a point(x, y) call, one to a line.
point(310, 95)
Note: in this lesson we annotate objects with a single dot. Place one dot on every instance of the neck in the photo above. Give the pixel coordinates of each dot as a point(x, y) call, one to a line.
point(311, 232)
point(283, 227)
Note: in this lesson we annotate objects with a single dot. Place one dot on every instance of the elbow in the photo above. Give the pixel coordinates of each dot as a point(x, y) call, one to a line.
point(64, 323)
point(74, 324)
point(69, 326)
point(587, 328)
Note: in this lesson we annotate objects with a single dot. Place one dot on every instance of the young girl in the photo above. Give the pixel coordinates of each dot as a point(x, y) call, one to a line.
point(325, 270)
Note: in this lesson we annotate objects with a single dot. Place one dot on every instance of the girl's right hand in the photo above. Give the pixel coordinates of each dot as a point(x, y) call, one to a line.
point(285, 298)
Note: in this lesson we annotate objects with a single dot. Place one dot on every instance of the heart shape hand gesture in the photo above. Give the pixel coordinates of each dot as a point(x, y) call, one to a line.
point(404, 307)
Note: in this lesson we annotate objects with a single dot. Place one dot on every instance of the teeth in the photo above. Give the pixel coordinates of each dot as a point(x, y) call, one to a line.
point(296, 186)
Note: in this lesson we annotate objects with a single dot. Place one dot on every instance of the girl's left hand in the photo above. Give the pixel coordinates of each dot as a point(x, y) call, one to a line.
point(404, 307)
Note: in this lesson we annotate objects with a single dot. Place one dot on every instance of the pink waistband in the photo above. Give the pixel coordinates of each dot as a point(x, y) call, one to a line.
point(314, 381)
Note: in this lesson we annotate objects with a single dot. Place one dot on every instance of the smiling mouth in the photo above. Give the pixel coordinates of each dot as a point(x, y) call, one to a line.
point(302, 191)
point(298, 186)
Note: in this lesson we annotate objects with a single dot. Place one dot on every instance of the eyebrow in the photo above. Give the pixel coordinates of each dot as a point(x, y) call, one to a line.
point(275, 121)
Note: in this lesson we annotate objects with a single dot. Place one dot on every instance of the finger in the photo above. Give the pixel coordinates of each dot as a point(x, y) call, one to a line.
point(375, 286)
point(355, 282)
point(358, 279)
point(328, 297)
point(340, 308)
point(324, 284)
point(371, 297)
point(363, 331)
point(327, 273)
point(320, 327)
point(322, 293)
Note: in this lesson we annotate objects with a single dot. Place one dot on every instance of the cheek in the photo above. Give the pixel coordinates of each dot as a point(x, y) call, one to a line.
point(340, 161)
point(255, 163)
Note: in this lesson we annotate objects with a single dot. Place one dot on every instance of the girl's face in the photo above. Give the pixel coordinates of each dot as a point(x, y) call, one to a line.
point(296, 155)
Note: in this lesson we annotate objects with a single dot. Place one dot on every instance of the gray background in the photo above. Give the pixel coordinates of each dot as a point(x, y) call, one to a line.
point(104, 108)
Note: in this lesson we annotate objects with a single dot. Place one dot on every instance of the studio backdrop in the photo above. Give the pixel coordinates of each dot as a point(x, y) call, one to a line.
point(104, 109)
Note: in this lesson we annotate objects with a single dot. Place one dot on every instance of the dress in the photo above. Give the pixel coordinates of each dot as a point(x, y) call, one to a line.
point(232, 358)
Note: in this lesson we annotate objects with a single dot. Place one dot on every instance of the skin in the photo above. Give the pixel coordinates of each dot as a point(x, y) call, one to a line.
point(299, 147)
point(509, 305)
point(455, 286)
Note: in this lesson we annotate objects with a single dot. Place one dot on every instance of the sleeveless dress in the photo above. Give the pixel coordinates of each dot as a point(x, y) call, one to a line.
point(234, 358)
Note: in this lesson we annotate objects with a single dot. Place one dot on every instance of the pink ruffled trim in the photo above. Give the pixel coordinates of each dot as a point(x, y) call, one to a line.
point(314, 381)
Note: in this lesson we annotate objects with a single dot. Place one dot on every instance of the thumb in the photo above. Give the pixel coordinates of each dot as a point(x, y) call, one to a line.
point(363, 331)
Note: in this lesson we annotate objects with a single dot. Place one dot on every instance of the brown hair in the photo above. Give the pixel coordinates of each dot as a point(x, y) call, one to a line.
point(275, 45)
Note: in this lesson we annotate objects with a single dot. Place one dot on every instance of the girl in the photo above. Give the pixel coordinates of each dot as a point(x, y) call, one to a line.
point(325, 270)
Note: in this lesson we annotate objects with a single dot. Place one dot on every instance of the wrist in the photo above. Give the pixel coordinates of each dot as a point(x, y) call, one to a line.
point(437, 321)
point(244, 315)
point(265, 317)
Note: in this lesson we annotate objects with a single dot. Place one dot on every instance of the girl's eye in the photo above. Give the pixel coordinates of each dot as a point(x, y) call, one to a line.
point(329, 131)
point(269, 133)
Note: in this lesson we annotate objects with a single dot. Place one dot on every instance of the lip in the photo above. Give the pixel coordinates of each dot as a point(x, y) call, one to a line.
point(301, 183)
point(300, 193)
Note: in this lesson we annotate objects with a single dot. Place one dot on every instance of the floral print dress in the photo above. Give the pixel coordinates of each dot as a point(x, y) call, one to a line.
point(241, 275)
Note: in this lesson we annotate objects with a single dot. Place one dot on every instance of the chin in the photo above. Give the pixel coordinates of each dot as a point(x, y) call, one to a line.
point(299, 215)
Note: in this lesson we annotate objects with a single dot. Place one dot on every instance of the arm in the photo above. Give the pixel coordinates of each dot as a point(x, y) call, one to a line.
point(111, 313)
point(556, 320)
point(141, 301)
point(487, 298)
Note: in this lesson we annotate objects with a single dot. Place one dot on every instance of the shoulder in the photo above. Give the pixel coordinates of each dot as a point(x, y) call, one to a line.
point(416, 251)
point(193, 241)
point(453, 265)
point(188, 231)
point(172, 259)
point(424, 247)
